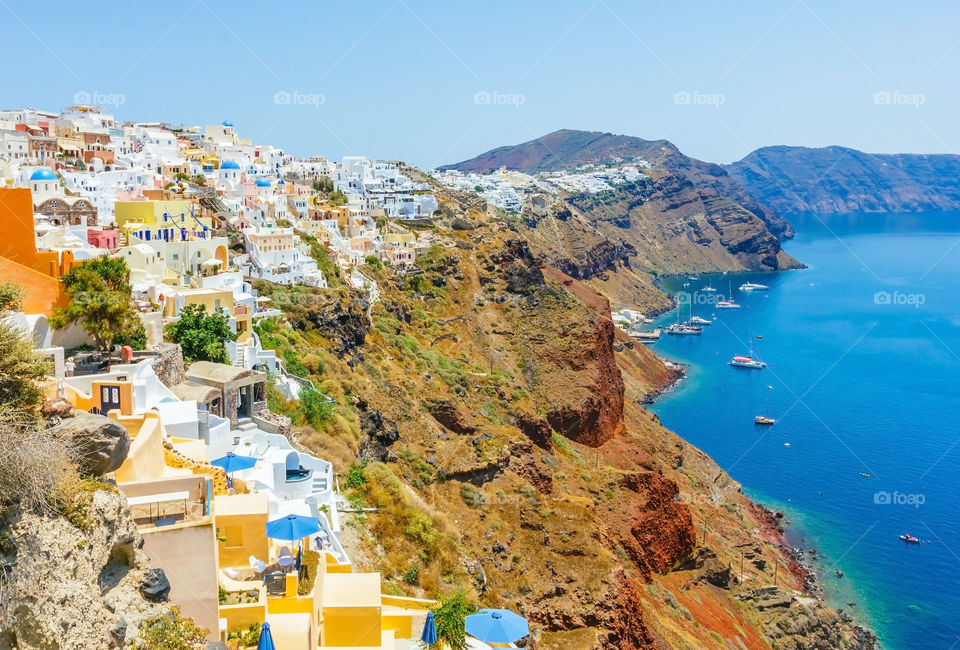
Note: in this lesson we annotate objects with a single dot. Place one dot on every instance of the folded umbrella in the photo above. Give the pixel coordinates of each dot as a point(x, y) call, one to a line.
point(266, 638)
point(429, 635)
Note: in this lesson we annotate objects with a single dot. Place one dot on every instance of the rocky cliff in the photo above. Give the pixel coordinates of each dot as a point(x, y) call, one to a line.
point(840, 180)
point(68, 588)
point(522, 465)
point(74, 575)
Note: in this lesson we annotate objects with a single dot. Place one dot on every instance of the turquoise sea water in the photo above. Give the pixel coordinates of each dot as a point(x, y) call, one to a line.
point(864, 377)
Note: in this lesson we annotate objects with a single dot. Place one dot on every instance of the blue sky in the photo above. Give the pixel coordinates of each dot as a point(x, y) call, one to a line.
point(400, 78)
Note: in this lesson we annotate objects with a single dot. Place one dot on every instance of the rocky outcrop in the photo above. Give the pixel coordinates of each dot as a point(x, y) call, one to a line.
point(381, 434)
point(654, 529)
point(582, 377)
point(73, 590)
point(168, 364)
point(534, 428)
point(451, 417)
point(99, 445)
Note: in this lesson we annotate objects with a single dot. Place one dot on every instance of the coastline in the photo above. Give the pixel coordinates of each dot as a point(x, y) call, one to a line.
point(775, 529)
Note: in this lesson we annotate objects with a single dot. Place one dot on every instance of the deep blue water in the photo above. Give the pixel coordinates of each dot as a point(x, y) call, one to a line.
point(859, 385)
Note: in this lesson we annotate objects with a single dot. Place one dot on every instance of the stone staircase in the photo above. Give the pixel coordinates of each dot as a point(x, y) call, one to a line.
point(246, 425)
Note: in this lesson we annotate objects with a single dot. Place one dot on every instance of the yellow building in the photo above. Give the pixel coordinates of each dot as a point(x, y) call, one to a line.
point(165, 220)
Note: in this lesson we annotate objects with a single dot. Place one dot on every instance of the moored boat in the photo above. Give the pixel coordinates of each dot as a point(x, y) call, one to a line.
point(764, 419)
point(753, 286)
point(909, 539)
point(678, 328)
point(697, 320)
point(746, 361)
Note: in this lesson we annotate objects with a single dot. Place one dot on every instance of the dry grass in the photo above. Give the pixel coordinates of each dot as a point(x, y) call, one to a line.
point(33, 461)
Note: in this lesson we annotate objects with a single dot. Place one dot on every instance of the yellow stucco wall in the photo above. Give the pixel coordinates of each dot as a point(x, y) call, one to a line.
point(351, 626)
point(145, 460)
point(239, 617)
point(246, 536)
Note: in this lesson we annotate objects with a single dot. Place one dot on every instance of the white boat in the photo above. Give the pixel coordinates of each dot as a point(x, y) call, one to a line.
point(678, 328)
point(727, 304)
point(697, 320)
point(746, 361)
point(753, 286)
point(709, 289)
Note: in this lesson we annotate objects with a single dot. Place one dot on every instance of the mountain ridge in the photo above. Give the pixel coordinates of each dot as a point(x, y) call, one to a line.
point(840, 180)
point(570, 148)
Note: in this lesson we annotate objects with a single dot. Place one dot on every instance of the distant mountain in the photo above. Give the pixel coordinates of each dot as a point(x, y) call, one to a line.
point(568, 149)
point(839, 180)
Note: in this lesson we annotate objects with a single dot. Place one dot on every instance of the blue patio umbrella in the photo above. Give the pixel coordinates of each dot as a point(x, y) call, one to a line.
point(233, 463)
point(292, 527)
point(497, 626)
point(429, 635)
point(266, 638)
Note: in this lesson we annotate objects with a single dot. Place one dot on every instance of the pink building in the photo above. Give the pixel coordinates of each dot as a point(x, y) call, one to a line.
point(109, 239)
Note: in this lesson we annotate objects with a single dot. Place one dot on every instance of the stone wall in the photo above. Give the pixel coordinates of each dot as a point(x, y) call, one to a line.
point(168, 364)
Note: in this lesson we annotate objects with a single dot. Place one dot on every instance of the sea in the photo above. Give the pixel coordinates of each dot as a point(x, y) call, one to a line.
point(863, 380)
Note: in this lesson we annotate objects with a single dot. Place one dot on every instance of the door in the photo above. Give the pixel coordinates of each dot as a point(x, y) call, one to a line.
point(109, 398)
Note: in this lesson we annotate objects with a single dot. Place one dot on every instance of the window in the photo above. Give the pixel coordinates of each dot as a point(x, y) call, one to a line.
point(234, 535)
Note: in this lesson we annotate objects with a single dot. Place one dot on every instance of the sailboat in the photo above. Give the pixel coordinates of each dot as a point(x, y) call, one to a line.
point(747, 360)
point(729, 303)
point(697, 320)
point(764, 419)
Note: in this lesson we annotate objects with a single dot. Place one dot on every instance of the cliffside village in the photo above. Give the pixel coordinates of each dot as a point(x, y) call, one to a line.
point(211, 476)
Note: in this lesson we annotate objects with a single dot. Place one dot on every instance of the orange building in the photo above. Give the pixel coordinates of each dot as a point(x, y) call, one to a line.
point(37, 273)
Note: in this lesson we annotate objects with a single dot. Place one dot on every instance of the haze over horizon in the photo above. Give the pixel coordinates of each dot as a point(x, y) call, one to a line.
point(718, 82)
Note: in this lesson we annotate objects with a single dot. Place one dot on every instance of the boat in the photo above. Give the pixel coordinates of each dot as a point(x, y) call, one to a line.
point(753, 286)
point(746, 361)
point(764, 419)
point(697, 320)
point(708, 289)
point(864, 475)
point(759, 336)
point(729, 303)
point(693, 277)
point(909, 539)
point(679, 328)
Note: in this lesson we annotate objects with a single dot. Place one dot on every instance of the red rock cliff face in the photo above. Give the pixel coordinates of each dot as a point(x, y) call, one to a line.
point(585, 384)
